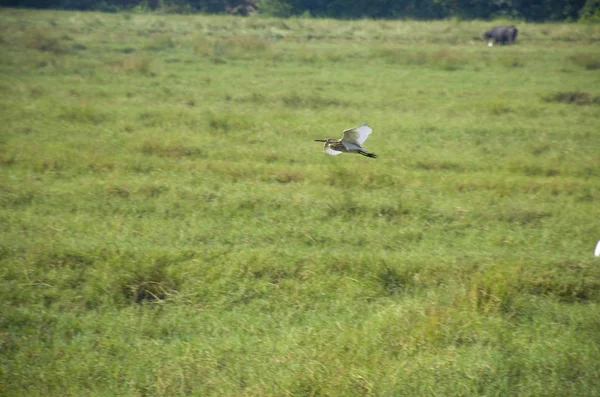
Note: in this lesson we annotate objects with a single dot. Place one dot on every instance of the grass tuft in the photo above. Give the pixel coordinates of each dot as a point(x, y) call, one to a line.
point(439, 165)
point(84, 114)
point(152, 147)
point(447, 60)
point(521, 215)
point(161, 43)
point(566, 281)
point(573, 97)
point(234, 47)
point(228, 122)
point(499, 108)
point(295, 100)
point(151, 284)
point(118, 191)
point(495, 291)
point(46, 43)
point(289, 175)
point(138, 64)
point(590, 61)
point(513, 61)
point(393, 281)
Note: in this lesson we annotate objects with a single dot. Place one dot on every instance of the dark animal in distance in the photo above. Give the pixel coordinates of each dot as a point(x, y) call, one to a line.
point(502, 34)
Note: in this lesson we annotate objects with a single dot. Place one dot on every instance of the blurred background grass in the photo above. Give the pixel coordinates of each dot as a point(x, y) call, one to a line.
point(169, 226)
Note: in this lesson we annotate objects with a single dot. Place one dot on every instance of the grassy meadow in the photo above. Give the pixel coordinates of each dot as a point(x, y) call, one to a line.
point(169, 227)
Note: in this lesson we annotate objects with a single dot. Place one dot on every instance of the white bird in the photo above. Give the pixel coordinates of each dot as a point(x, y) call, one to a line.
point(351, 142)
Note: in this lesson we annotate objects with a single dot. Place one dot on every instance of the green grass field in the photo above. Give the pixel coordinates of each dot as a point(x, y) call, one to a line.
point(169, 227)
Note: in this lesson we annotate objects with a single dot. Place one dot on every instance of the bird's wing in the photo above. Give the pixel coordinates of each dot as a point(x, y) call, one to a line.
point(331, 152)
point(352, 147)
point(357, 135)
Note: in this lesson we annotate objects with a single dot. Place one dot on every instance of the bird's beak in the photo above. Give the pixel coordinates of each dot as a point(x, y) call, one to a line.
point(320, 140)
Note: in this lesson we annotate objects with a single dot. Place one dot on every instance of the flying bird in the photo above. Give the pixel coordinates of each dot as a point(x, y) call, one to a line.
point(351, 142)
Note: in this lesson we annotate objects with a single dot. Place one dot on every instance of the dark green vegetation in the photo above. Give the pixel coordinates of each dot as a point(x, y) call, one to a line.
point(529, 10)
point(169, 227)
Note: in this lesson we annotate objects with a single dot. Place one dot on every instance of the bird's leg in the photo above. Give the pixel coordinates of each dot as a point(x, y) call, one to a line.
point(367, 154)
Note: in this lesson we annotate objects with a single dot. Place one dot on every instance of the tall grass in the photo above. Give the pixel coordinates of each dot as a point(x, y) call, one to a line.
point(169, 226)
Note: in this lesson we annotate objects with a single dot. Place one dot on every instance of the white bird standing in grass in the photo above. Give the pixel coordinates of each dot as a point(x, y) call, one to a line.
point(351, 142)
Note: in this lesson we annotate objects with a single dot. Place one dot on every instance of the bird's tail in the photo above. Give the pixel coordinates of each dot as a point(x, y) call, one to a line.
point(372, 155)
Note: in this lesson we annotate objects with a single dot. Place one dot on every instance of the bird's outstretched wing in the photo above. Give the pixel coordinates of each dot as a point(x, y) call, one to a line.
point(331, 152)
point(357, 135)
